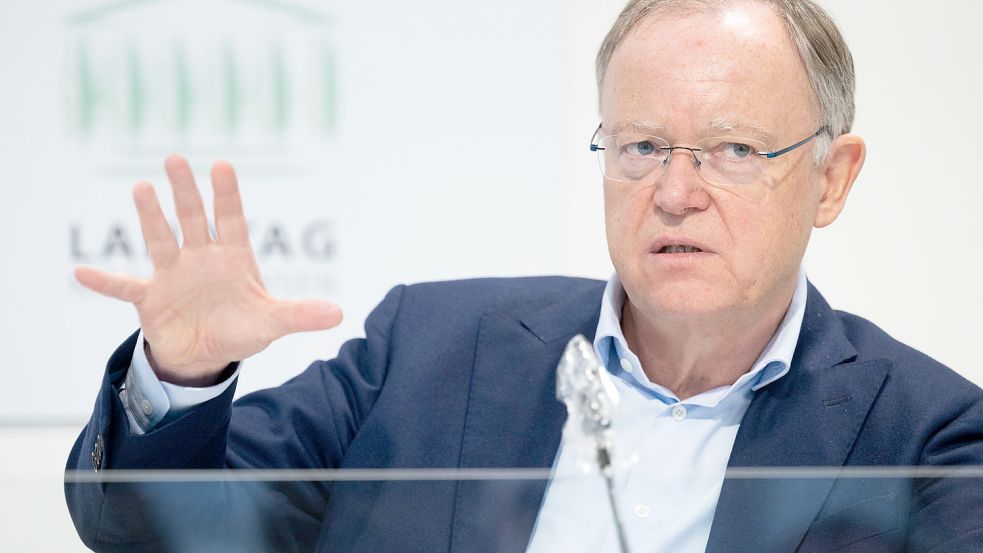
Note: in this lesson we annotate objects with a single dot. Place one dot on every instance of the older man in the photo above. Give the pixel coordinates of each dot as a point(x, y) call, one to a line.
point(724, 139)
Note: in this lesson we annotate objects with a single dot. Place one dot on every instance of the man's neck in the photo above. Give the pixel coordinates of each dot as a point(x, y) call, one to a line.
point(690, 356)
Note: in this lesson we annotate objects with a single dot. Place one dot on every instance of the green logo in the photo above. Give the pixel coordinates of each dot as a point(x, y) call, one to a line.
point(246, 75)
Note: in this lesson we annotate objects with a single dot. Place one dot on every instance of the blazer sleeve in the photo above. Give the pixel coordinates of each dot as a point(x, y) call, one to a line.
point(946, 513)
point(305, 423)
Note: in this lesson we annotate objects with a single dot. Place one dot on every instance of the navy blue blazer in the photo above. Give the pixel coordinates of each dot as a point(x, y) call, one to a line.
point(462, 374)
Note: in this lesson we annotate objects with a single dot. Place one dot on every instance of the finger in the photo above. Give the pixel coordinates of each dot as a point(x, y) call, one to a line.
point(115, 285)
point(160, 240)
point(305, 315)
point(187, 202)
point(230, 221)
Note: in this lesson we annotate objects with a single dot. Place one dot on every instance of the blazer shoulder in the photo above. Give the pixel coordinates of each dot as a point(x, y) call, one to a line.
point(909, 366)
point(503, 294)
point(452, 310)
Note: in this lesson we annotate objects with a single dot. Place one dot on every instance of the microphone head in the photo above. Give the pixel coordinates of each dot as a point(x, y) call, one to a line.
point(584, 385)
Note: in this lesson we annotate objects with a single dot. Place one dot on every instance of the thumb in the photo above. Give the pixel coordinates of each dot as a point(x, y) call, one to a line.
point(305, 315)
point(115, 285)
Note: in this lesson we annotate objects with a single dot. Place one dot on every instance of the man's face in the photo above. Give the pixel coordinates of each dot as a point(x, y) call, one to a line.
point(691, 75)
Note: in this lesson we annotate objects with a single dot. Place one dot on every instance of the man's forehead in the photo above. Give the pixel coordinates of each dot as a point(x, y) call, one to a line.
point(745, 19)
point(709, 73)
point(751, 33)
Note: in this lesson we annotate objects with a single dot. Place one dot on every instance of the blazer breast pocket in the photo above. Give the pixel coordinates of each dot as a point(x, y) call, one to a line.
point(870, 526)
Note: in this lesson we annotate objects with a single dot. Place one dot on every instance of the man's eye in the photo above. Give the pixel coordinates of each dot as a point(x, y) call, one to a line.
point(738, 150)
point(644, 148)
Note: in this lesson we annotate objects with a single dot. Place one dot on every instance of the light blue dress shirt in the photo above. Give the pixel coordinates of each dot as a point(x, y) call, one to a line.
point(669, 456)
point(147, 400)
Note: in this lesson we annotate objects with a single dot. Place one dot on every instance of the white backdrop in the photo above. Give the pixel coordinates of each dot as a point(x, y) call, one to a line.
point(384, 142)
point(376, 144)
point(406, 142)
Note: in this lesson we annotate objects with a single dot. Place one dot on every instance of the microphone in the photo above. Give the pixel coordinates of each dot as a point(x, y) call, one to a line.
point(586, 388)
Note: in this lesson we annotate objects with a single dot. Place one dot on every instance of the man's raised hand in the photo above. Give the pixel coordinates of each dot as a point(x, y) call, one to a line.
point(205, 305)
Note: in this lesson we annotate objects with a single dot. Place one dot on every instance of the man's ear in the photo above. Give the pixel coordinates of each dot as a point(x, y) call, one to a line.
point(846, 158)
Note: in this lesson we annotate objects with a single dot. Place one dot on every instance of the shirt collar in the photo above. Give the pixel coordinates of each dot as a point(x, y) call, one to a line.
point(621, 362)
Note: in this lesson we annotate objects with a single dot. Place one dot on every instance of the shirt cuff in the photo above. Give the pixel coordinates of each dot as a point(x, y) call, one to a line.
point(147, 400)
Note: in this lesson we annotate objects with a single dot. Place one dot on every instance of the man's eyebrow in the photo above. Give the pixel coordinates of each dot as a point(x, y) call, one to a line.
point(742, 126)
point(718, 125)
point(637, 126)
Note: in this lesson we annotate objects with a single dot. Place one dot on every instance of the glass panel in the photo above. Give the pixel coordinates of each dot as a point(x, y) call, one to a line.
point(473, 510)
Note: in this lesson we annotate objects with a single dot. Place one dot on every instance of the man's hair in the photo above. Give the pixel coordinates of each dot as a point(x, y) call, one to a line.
point(820, 45)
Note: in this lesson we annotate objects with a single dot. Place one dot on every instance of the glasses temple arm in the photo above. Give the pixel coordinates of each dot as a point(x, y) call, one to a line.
point(593, 145)
point(772, 155)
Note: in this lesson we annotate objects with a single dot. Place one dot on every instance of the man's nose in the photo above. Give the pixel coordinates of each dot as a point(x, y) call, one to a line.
point(681, 188)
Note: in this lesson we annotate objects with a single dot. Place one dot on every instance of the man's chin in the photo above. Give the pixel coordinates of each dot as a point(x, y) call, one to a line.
point(681, 299)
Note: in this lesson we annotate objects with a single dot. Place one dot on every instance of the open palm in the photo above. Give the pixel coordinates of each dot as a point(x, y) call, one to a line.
point(205, 305)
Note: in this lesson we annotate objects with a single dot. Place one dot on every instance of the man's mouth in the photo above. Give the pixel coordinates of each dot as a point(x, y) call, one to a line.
point(679, 249)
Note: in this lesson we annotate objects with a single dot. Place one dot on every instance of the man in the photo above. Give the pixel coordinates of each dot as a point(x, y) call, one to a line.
point(724, 139)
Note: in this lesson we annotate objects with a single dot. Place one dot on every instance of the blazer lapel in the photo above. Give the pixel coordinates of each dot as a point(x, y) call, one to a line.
point(809, 418)
point(514, 420)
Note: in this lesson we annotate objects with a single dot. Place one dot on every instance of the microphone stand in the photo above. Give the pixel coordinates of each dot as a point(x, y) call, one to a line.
point(585, 386)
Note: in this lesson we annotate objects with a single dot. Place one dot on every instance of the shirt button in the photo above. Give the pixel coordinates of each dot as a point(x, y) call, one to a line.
point(626, 365)
point(642, 510)
point(678, 412)
point(147, 408)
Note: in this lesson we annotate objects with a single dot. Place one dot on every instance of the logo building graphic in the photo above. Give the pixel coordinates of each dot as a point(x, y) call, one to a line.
point(255, 77)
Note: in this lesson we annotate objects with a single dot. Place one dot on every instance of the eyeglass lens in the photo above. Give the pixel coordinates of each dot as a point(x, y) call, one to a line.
point(725, 161)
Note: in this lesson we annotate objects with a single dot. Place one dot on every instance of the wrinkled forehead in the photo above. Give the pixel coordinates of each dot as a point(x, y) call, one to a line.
point(733, 67)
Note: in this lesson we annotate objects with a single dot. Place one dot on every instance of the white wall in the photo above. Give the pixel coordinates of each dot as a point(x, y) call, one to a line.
point(403, 146)
point(478, 84)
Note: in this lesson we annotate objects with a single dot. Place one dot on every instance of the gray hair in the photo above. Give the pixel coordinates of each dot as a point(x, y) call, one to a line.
point(820, 45)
